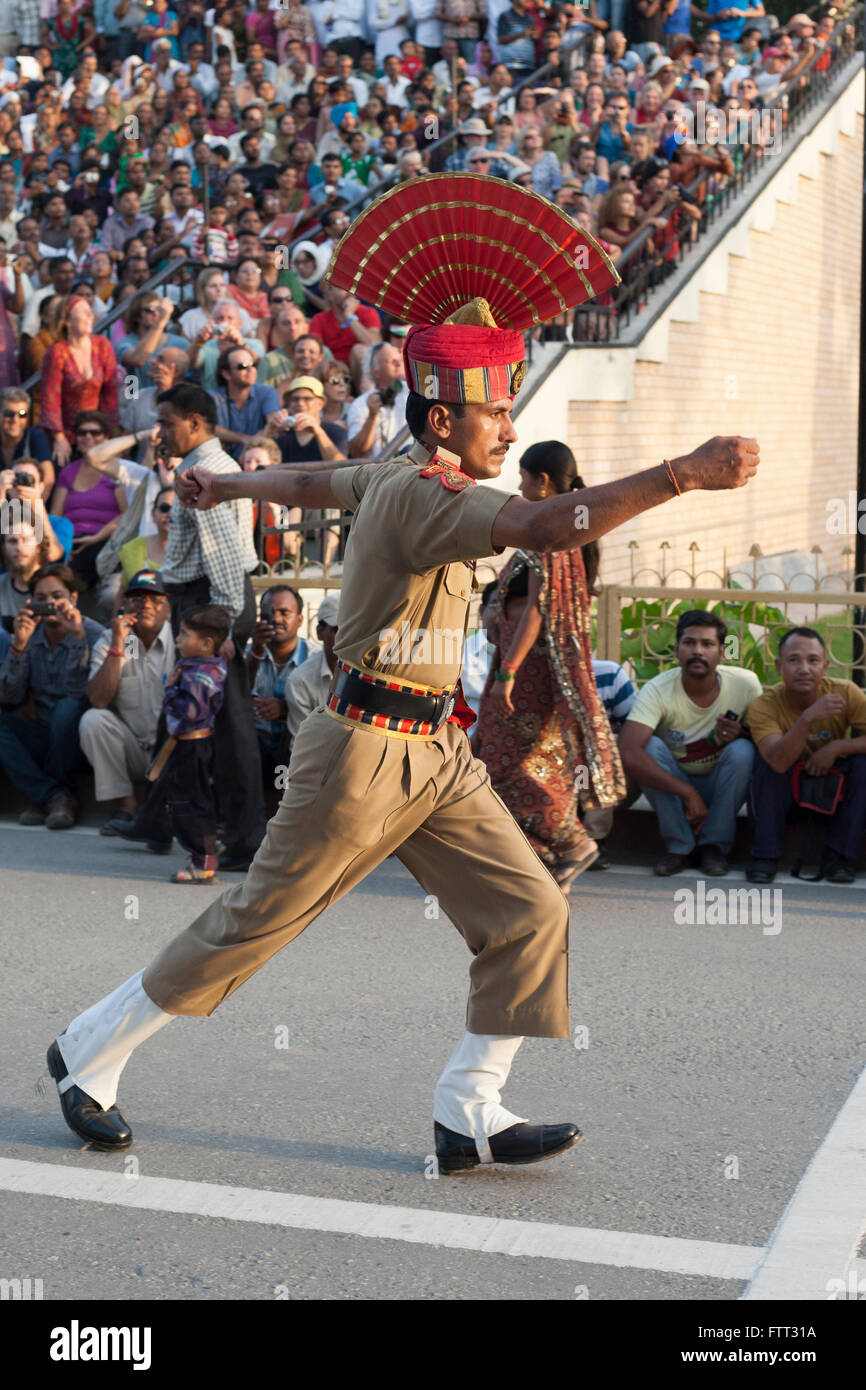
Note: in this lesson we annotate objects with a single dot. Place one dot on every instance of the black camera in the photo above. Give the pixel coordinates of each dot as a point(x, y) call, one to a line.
point(23, 479)
point(389, 394)
point(43, 608)
point(685, 195)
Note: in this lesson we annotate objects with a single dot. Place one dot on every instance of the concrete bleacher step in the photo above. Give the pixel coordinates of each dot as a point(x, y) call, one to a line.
point(634, 838)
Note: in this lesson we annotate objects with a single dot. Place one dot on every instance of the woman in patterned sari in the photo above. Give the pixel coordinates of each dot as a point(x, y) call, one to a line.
point(543, 731)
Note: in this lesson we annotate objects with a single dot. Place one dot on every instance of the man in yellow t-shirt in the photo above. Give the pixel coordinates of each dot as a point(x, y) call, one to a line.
point(685, 743)
point(813, 718)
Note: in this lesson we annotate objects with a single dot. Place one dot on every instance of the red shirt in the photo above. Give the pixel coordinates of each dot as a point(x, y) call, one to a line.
point(341, 340)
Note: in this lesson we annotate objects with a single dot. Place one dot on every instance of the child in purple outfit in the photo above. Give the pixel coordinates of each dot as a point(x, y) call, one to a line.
point(193, 697)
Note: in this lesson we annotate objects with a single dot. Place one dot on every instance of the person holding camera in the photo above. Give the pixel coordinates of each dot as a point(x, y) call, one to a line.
point(48, 661)
point(225, 330)
point(306, 438)
point(129, 666)
point(377, 416)
point(303, 436)
point(274, 651)
point(685, 743)
point(23, 491)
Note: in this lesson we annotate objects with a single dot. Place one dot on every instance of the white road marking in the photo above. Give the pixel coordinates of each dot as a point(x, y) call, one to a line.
point(454, 1230)
point(818, 1236)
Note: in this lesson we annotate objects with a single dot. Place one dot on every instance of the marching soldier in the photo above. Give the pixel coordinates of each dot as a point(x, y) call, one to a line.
point(384, 765)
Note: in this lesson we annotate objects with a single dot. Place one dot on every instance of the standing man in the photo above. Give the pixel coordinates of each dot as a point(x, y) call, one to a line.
point(208, 560)
point(385, 765)
point(309, 683)
point(275, 650)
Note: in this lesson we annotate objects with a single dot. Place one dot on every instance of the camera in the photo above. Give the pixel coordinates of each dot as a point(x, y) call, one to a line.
point(43, 608)
point(23, 479)
point(389, 393)
point(685, 195)
point(290, 422)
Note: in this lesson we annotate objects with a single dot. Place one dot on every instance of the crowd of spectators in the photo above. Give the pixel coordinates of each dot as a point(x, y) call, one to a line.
point(234, 145)
point(244, 140)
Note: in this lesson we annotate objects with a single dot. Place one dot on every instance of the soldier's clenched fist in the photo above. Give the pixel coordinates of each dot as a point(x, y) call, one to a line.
point(727, 461)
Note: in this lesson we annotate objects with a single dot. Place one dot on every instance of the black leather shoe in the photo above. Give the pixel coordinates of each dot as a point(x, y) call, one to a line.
point(128, 830)
point(713, 862)
point(230, 863)
point(835, 867)
point(671, 864)
point(104, 1129)
point(762, 870)
point(522, 1143)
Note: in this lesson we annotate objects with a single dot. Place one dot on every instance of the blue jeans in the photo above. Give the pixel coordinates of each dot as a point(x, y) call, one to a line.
point(723, 791)
point(41, 758)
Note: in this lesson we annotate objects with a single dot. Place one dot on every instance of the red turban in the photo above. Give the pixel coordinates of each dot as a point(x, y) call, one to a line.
point(463, 362)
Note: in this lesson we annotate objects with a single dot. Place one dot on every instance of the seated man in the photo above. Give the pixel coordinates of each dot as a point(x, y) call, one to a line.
point(809, 717)
point(309, 683)
point(128, 670)
point(684, 743)
point(48, 660)
point(618, 696)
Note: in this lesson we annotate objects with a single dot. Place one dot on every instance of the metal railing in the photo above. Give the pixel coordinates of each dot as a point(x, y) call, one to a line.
point(757, 599)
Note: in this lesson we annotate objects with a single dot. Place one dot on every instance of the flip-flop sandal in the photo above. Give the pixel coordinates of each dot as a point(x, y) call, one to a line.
point(567, 870)
point(190, 874)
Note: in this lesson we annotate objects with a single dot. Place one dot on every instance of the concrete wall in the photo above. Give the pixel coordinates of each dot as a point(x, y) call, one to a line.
point(763, 341)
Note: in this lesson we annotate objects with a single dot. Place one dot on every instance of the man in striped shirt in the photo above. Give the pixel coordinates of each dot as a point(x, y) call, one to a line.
point(208, 560)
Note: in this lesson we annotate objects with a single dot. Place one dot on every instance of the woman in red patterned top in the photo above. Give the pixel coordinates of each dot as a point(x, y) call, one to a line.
point(79, 372)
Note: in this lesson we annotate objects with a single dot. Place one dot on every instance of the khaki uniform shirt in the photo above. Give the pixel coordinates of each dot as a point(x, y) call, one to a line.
point(419, 526)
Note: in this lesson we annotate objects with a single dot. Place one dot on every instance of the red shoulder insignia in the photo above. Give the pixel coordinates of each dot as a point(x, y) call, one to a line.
point(448, 475)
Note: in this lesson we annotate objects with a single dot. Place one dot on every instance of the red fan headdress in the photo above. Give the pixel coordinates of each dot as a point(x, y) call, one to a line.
point(470, 262)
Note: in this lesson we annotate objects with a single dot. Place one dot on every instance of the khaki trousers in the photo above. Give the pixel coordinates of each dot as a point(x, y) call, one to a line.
point(355, 796)
point(115, 754)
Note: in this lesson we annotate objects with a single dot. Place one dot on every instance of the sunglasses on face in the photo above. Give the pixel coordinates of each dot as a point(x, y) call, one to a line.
point(87, 430)
point(163, 507)
point(15, 414)
point(338, 380)
point(244, 366)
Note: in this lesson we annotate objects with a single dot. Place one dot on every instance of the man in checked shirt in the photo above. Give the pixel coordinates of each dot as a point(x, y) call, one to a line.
point(207, 560)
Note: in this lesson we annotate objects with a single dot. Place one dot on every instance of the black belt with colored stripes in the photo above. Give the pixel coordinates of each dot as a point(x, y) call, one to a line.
point(392, 704)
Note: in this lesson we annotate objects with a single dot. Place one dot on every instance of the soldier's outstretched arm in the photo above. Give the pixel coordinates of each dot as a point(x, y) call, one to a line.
point(574, 518)
point(287, 487)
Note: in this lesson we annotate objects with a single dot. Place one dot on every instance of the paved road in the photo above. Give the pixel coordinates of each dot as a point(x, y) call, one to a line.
point(716, 1060)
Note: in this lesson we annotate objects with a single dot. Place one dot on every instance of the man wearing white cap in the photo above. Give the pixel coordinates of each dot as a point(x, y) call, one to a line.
point(309, 684)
